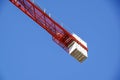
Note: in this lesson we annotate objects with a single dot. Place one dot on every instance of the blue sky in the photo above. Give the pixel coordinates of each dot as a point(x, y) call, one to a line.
point(27, 52)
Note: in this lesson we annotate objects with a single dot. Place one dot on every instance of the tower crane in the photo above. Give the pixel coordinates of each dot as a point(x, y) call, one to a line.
point(71, 43)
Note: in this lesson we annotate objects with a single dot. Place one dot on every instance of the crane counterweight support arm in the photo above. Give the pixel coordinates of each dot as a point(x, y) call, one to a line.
point(61, 36)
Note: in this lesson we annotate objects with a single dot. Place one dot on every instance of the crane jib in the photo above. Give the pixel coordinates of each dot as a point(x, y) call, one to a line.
point(61, 36)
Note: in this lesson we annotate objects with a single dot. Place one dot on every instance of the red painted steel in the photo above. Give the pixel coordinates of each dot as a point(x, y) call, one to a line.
point(61, 36)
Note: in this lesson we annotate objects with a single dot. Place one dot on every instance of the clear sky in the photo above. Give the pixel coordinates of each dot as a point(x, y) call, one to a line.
point(27, 52)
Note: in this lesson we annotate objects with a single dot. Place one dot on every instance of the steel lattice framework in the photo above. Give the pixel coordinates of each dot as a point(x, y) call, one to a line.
point(61, 36)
